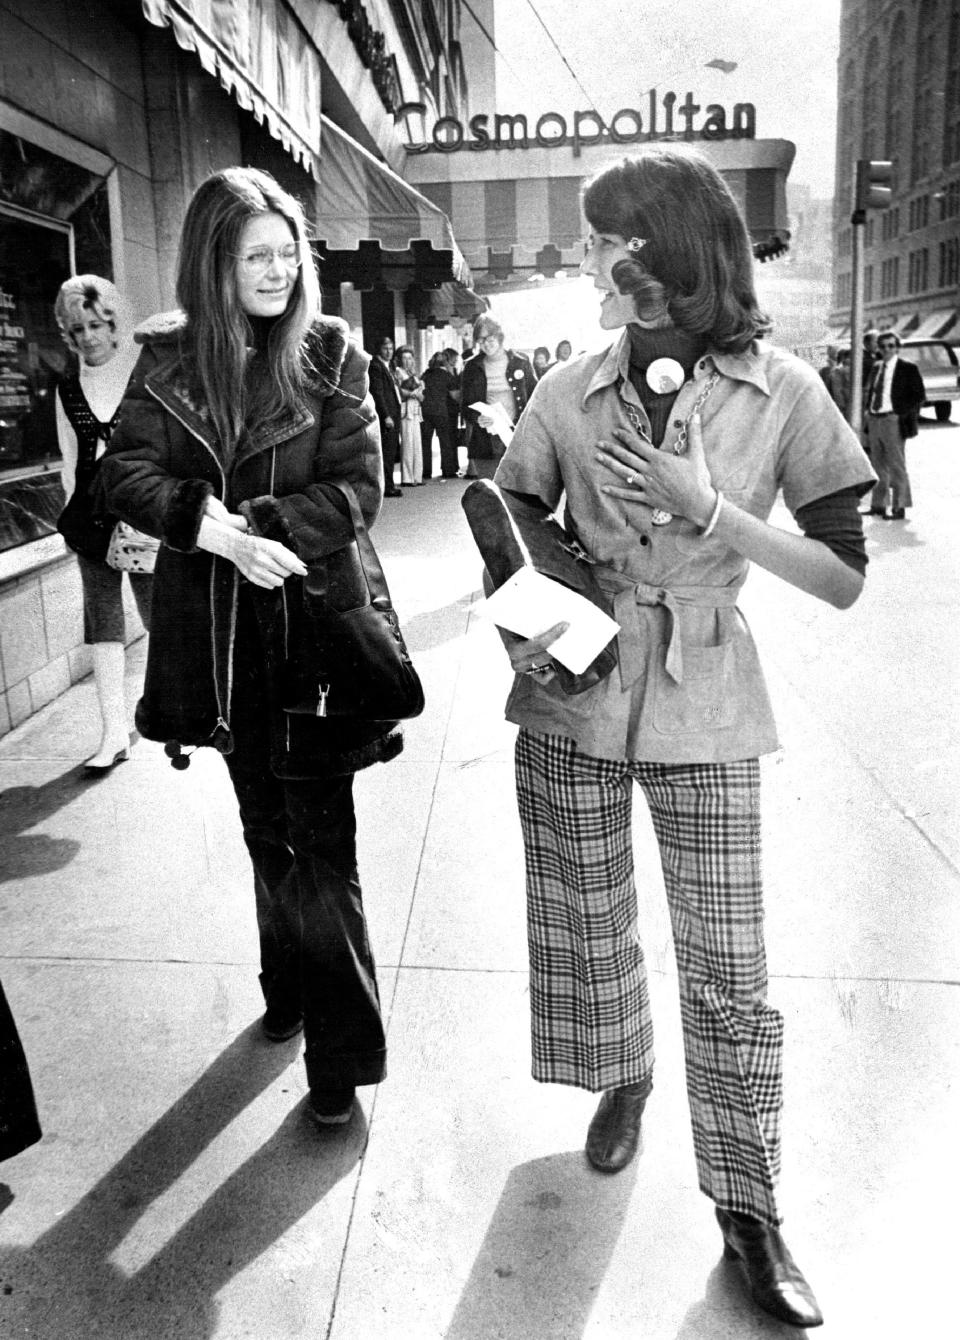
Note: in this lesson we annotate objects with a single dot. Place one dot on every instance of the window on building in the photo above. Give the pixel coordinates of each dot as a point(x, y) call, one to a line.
point(918, 270)
point(951, 107)
point(949, 271)
point(868, 284)
point(54, 222)
point(894, 110)
point(925, 92)
point(890, 277)
point(871, 133)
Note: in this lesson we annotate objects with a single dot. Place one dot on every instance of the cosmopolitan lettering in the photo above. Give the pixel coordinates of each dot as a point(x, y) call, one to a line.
point(668, 117)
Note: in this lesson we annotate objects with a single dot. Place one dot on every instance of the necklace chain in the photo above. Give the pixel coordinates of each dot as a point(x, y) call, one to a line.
point(660, 517)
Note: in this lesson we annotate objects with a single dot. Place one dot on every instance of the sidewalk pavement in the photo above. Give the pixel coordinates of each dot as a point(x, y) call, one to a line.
point(180, 1191)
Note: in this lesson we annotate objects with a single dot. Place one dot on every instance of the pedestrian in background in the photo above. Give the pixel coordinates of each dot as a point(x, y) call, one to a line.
point(437, 383)
point(95, 328)
point(564, 351)
point(496, 376)
point(455, 368)
point(895, 397)
point(386, 399)
point(670, 449)
point(245, 410)
point(410, 386)
point(835, 376)
point(541, 360)
point(869, 356)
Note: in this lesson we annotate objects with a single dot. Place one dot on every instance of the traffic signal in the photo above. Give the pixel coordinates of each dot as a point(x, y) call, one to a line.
point(874, 184)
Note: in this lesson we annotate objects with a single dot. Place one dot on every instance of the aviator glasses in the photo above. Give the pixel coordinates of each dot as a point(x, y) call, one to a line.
point(258, 260)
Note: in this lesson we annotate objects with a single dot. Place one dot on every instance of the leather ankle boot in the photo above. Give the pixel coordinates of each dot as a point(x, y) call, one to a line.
point(772, 1275)
point(614, 1132)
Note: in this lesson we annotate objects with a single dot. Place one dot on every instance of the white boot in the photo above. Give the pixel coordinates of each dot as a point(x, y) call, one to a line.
point(109, 665)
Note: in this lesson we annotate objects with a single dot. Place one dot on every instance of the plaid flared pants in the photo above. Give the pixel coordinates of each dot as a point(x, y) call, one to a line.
point(590, 1010)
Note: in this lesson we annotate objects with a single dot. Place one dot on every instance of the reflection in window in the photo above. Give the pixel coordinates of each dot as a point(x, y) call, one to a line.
point(54, 220)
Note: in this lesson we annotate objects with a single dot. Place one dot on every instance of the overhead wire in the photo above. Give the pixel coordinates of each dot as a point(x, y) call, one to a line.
point(556, 46)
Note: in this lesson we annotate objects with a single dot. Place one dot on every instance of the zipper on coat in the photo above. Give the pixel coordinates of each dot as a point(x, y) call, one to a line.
point(221, 712)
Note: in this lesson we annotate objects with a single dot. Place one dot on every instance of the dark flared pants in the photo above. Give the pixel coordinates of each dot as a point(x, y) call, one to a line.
point(19, 1126)
point(301, 835)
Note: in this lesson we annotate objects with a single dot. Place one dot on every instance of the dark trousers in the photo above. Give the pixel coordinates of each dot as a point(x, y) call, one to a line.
point(390, 447)
point(301, 835)
point(449, 463)
point(19, 1126)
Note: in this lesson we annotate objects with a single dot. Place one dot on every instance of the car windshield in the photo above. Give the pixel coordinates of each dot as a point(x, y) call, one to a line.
point(935, 354)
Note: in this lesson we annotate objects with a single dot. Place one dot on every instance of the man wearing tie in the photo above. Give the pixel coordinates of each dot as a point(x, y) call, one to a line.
point(386, 401)
point(894, 398)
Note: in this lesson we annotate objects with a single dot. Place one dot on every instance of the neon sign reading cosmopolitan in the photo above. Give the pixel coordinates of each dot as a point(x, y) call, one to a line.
point(667, 118)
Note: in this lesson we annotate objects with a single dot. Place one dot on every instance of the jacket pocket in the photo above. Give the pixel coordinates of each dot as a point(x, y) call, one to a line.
point(705, 699)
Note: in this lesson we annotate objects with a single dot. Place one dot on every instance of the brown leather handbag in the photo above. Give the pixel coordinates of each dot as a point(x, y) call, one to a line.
point(348, 657)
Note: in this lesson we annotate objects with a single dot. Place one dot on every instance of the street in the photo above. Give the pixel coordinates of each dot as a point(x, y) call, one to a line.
point(179, 1190)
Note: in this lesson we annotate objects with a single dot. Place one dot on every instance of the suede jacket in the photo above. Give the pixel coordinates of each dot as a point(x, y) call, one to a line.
point(164, 461)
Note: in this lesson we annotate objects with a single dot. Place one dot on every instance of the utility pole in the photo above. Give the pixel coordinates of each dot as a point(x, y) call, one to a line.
point(872, 190)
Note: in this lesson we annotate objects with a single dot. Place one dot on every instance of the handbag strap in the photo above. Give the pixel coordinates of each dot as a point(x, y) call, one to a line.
point(372, 569)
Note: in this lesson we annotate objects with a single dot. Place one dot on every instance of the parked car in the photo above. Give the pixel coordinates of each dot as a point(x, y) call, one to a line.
point(937, 361)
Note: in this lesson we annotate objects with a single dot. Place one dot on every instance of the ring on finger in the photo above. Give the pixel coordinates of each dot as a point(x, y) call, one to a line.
point(628, 479)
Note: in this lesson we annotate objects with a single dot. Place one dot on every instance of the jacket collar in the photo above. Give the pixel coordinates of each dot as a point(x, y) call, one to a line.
point(614, 367)
point(169, 383)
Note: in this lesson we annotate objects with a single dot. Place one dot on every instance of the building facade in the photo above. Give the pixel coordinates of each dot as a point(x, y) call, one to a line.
point(899, 99)
point(111, 113)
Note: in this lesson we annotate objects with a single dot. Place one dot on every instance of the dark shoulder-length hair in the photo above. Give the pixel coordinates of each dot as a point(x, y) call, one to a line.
point(218, 329)
point(696, 255)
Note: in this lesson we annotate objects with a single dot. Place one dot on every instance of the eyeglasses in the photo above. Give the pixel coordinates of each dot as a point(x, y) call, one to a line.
point(259, 260)
point(888, 344)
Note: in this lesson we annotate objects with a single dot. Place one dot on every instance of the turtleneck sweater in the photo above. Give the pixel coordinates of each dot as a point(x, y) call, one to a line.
point(645, 347)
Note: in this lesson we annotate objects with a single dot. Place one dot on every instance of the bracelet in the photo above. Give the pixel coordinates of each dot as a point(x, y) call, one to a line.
point(714, 517)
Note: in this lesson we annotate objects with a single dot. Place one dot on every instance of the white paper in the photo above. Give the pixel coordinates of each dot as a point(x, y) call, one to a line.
point(502, 427)
point(529, 603)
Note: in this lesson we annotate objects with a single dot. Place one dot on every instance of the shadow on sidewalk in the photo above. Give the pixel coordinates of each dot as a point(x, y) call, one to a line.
point(66, 1285)
point(545, 1253)
point(27, 855)
point(433, 628)
point(726, 1310)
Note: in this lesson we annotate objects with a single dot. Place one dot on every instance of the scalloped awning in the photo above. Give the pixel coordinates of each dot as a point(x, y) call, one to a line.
point(370, 220)
point(260, 54)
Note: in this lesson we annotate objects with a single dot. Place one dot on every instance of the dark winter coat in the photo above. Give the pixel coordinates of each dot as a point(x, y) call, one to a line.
point(473, 387)
point(164, 461)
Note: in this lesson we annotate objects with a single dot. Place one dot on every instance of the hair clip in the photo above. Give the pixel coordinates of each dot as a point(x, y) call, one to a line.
point(636, 243)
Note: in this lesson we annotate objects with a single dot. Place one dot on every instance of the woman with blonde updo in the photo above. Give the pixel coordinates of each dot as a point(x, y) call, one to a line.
point(89, 312)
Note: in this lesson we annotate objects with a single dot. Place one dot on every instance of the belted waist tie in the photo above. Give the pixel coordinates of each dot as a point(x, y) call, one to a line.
point(628, 595)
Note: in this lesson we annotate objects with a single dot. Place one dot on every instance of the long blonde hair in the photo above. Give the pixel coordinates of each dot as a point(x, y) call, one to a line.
point(218, 330)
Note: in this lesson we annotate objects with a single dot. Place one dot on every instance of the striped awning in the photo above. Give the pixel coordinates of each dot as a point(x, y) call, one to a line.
point(936, 323)
point(260, 54)
point(369, 217)
point(527, 226)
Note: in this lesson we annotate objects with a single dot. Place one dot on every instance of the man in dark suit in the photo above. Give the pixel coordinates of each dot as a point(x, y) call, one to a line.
point(386, 400)
point(894, 399)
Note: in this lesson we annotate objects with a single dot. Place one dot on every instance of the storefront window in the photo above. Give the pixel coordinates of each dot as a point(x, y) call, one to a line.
point(54, 222)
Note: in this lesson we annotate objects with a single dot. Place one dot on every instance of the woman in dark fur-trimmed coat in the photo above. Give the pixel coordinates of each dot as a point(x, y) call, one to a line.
point(242, 408)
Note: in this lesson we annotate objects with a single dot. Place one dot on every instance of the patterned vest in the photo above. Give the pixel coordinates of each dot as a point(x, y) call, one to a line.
point(86, 425)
